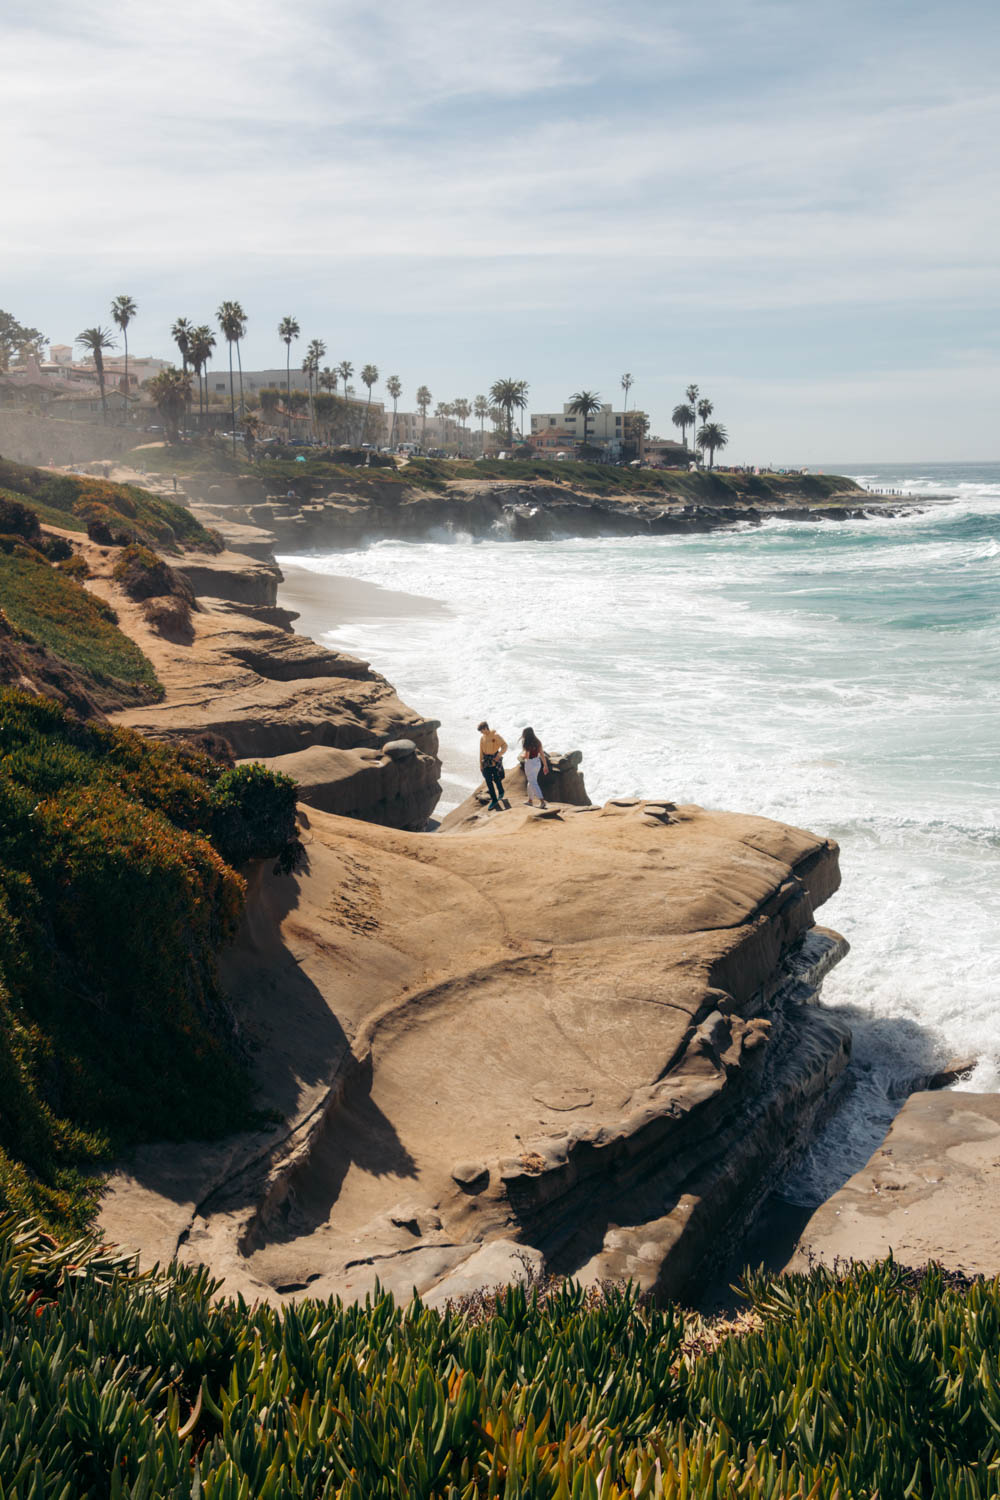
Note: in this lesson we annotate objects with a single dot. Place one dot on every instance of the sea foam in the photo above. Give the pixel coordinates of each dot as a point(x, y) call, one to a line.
point(842, 676)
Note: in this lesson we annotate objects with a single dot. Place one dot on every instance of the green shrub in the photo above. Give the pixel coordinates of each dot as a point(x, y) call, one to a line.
point(143, 575)
point(253, 816)
point(17, 520)
point(75, 567)
point(112, 908)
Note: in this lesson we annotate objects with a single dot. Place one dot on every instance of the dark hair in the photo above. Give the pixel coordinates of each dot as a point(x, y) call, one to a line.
point(530, 741)
point(482, 726)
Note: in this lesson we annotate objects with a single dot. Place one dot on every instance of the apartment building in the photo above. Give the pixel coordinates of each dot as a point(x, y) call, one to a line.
point(605, 428)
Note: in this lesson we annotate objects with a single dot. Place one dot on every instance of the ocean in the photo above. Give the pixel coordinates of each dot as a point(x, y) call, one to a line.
point(843, 676)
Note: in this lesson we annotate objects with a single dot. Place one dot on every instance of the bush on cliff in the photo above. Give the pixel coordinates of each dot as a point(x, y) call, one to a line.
point(113, 904)
point(834, 1388)
point(143, 575)
point(127, 512)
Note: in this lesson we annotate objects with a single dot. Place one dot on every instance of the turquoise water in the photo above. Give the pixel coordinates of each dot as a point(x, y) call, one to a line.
point(838, 675)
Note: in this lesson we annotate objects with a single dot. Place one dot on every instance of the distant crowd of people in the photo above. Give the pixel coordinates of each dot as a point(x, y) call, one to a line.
point(493, 748)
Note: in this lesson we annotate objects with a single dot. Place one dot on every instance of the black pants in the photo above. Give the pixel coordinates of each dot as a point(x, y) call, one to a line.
point(493, 776)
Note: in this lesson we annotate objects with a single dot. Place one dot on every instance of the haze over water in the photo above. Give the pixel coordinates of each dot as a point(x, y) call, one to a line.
point(843, 676)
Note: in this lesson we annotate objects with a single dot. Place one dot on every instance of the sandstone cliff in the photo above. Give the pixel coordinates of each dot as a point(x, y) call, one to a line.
point(322, 716)
point(579, 1038)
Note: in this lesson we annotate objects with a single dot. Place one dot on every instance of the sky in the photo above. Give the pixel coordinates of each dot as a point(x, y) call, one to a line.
point(794, 204)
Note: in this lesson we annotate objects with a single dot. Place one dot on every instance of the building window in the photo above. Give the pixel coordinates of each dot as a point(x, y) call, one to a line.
point(552, 421)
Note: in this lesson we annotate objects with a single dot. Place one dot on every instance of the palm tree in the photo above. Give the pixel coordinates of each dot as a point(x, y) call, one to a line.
point(123, 310)
point(288, 329)
point(712, 436)
point(507, 394)
point(97, 340)
point(521, 389)
point(481, 409)
point(171, 390)
point(200, 347)
point(369, 377)
point(181, 335)
point(462, 410)
point(705, 409)
point(310, 367)
point(627, 383)
point(232, 323)
point(395, 388)
point(584, 404)
point(346, 370)
point(241, 315)
point(691, 395)
point(683, 417)
point(424, 399)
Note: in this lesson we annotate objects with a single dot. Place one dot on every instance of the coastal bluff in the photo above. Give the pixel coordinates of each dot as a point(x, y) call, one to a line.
point(578, 1040)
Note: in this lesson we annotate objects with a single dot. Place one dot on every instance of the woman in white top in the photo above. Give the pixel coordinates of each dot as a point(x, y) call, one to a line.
point(534, 760)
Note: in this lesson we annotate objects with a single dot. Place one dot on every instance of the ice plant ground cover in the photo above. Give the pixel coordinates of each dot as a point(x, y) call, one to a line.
point(869, 1381)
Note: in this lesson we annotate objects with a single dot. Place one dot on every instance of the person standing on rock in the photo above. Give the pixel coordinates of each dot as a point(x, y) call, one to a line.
point(491, 753)
point(534, 760)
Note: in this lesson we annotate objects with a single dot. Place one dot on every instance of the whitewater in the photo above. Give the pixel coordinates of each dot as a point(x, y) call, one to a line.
point(842, 676)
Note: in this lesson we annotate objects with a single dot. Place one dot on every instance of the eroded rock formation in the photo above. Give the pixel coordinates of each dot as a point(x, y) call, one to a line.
point(578, 1038)
point(322, 716)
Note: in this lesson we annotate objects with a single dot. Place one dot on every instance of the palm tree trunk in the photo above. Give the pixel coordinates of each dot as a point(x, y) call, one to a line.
point(288, 387)
point(99, 362)
point(392, 430)
point(125, 408)
point(239, 361)
point(232, 395)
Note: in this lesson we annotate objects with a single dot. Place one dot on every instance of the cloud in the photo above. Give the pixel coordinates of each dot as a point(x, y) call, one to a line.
point(579, 171)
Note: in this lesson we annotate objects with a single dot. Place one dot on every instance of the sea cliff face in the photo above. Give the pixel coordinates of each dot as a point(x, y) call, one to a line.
point(579, 1039)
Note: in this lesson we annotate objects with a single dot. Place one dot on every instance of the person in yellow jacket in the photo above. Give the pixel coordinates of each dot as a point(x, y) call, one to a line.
point(491, 753)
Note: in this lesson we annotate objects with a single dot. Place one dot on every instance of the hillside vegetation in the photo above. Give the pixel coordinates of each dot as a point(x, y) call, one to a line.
point(872, 1383)
point(129, 514)
point(117, 889)
point(50, 609)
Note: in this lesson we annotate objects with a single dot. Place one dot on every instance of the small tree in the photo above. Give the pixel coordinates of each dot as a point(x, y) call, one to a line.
point(171, 390)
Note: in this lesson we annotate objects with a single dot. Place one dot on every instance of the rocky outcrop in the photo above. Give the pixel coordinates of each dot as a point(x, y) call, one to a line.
point(562, 783)
point(583, 1033)
point(532, 510)
point(930, 1192)
point(318, 715)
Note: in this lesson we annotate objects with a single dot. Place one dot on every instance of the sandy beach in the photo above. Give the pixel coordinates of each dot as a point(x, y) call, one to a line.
point(326, 600)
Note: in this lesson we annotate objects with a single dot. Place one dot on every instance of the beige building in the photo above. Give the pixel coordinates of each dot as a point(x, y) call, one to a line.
point(605, 428)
